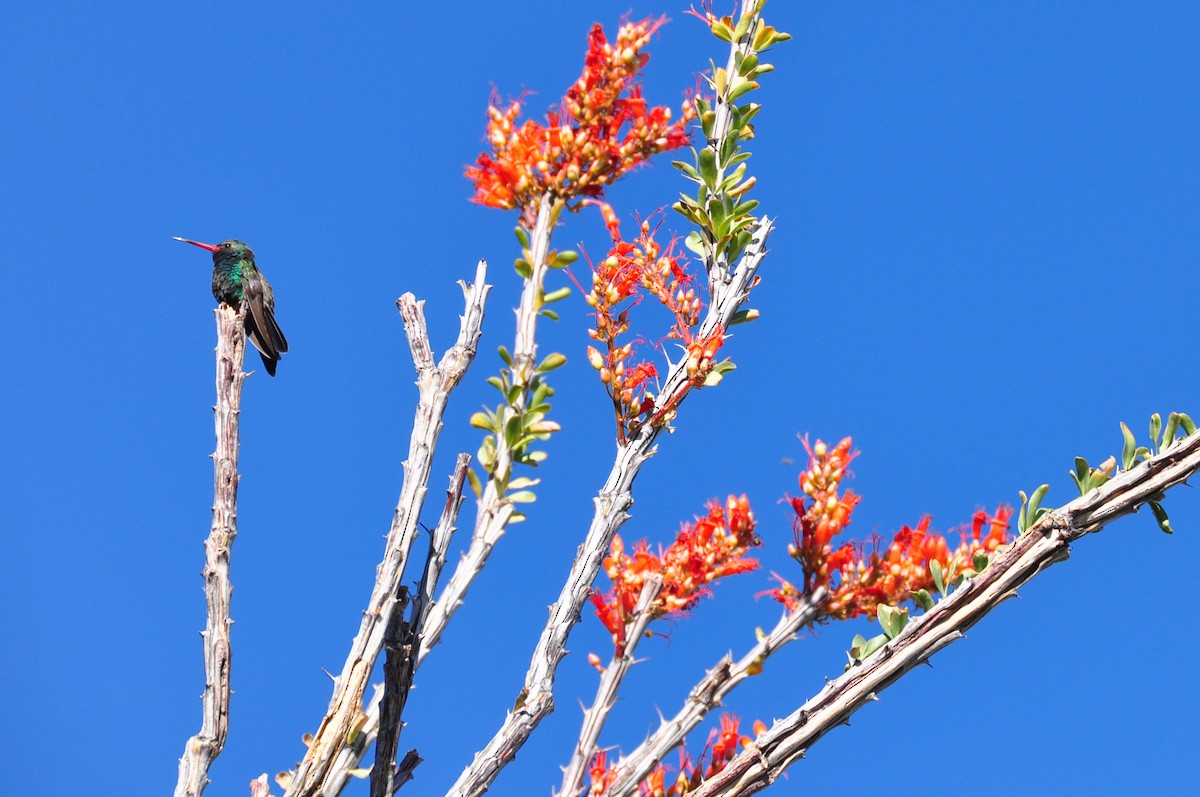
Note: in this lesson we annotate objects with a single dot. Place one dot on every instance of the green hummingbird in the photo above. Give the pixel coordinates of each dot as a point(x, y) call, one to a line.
point(237, 282)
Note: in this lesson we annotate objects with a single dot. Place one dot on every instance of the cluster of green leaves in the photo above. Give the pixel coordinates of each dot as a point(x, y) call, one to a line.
point(947, 578)
point(1031, 507)
point(520, 421)
point(1162, 437)
point(516, 424)
point(720, 208)
point(892, 620)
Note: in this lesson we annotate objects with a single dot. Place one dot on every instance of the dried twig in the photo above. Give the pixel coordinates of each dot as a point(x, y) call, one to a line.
point(1043, 544)
point(434, 383)
point(606, 691)
point(722, 679)
point(203, 748)
point(401, 662)
point(396, 651)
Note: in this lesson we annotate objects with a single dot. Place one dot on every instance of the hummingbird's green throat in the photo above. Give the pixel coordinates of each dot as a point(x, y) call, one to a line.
point(237, 282)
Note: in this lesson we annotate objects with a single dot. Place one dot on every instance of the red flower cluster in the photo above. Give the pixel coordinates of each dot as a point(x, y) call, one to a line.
point(629, 268)
point(884, 577)
point(712, 547)
point(890, 577)
point(723, 743)
point(603, 129)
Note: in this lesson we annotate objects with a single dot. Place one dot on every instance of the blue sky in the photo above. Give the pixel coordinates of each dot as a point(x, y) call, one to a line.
point(986, 237)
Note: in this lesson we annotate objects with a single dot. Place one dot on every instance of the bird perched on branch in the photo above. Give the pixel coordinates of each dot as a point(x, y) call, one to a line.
point(237, 282)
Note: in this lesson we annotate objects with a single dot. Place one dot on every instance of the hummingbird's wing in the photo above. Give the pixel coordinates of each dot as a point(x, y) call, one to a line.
point(261, 328)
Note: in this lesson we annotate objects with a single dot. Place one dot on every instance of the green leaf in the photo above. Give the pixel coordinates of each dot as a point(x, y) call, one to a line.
point(1189, 426)
point(935, 570)
point(743, 26)
point(522, 237)
point(476, 485)
point(1155, 428)
point(892, 619)
point(564, 258)
point(552, 361)
point(1080, 474)
point(1035, 502)
point(557, 295)
point(708, 167)
point(923, 599)
point(504, 355)
point(483, 420)
point(524, 270)
point(980, 561)
point(1129, 447)
point(522, 482)
point(1168, 437)
point(512, 432)
point(1160, 515)
point(512, 394)
point(487, 455)
point(546, 311)
point(522, 497)
point(741, 89)
point(744, 316)
point(688, 169)
point(873, 644)
point(695, 243)
point(1031, 509)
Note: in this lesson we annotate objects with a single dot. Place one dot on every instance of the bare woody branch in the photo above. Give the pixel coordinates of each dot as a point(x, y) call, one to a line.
point(349, 759)
point(434, 383)
point(611, 512)
point(203, 748)
point(606, 691)
point(1043, 544)
point(707, 695)
point(401, 662)
point(395, 639)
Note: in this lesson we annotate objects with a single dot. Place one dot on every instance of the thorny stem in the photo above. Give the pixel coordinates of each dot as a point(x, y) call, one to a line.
point(434, 382)
point(606, 691)
point(706, 695)
point(1045, 543)
point(401, 662)
point(203, 748)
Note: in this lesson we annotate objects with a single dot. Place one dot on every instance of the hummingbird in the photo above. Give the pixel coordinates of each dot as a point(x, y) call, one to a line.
point(237, 282)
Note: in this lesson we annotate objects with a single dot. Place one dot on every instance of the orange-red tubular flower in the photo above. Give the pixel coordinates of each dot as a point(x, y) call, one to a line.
point(602, 129)
point(712, 547)
point(858, 582)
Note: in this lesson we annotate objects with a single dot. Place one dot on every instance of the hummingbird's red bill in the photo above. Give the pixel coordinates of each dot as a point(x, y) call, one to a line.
point(209, 247)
